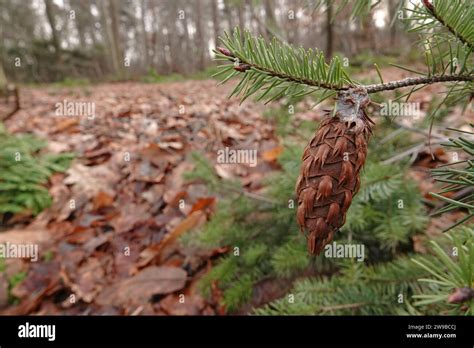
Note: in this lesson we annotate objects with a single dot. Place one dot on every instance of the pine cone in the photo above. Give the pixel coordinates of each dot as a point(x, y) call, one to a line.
point(332, 161)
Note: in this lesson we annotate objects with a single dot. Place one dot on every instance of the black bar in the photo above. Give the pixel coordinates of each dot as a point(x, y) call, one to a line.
point(242, 329)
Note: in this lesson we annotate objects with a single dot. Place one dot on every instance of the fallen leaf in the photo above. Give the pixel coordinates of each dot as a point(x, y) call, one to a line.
point(65, 124)
point(141, 287)
point(102, 200)
point(272, 154)
point(36, 236)
point(202, 204)
point(194, 220)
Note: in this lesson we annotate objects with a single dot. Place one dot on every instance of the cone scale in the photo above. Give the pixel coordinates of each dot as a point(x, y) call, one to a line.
point(330, 172)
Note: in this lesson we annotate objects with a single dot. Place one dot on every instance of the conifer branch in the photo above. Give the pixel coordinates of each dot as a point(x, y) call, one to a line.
point(461, 10)
point(244, 65)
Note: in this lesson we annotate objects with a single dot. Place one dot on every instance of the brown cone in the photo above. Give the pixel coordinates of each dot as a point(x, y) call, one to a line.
point(332, 161)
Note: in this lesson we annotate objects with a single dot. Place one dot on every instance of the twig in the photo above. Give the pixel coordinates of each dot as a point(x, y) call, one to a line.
point(344, 306)
point(421, 131)
point(414, 150)
point(252, 195)
point(413, 81)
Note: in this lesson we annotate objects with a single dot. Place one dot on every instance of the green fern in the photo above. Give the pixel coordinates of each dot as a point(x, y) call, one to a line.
point(24, 173)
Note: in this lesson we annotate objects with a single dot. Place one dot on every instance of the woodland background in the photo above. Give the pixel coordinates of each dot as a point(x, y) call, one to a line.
point(156, 220)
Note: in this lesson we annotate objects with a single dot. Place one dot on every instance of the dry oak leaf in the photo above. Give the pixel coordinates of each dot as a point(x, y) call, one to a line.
point(140, 288)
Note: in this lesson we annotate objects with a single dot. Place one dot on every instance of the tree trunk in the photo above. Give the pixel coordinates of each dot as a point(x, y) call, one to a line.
point(144, 35)
point(329, 29)
point(230, 18)
point(201, 45)
point(113, 10)
point(270, 20)
point(109, 36)
point(52, 24)
point(173, 38)
point(240, 14)
point(215, 22)
point(392, 11)
point(3, 80)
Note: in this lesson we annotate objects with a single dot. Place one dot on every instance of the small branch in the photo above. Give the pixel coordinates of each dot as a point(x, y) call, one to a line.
point(412, 151)
point(344, 306)
point(412, 81)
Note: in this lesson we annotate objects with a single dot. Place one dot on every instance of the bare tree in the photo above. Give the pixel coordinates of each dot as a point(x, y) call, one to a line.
point(52, 24)
point(215, 22)
point(201, 46)
point(329, 29)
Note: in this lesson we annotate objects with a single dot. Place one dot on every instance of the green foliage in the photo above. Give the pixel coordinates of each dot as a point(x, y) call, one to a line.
point(447, 39)
point(276, 69)
point(13, 281)
point(290, 258)
point(358, 9)
point(271, 70)
point(72, 82)
point(356, 290)
point(453, 16)
point(383, 216)
point(386, 211)
point(420, 285)
point(450, 271)
point(153, 77)
point(24, 173)
point(269, 244)
point(457, 176)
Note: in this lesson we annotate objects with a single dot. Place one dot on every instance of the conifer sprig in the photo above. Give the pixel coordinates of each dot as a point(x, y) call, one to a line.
point(458, 178)
point(274, 70)
point(277, 69)
point(454, 15)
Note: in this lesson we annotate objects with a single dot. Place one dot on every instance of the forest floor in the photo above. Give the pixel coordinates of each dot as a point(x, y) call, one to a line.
point(110, 236)
point(108, 244)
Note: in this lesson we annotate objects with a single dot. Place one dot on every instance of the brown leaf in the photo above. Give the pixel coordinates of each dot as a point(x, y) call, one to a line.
point(35, 236)
point(203, 203)
point(42, 279)
point(102, 200)
point(272, 154)
point(194, 220)
point(89, 280)
point(140, 288)
point(66, 124)
point(192, 305)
